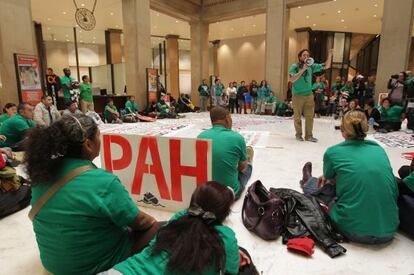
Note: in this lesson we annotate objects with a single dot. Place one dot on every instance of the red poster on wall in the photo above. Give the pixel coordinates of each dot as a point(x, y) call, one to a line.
point(152, 85)
point(28, 78)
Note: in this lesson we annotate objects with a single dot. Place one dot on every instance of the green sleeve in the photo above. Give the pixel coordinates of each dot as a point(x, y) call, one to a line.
point(293, 69)
point(64, 80)
point(343, 89)
point(314, 86)
point(316, 68)
point(136, 106)
point(22, 126)
point(107, 108)
point(231, 249)
point(114, 108)
point(200, 89)
point(128, 105)
point(409, 181)
point(328, 169)
point(116, 204)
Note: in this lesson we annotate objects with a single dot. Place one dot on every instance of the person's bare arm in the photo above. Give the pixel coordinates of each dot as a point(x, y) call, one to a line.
point(295, 77)
point(242, 165)
point(142, 222)
point(328, 61)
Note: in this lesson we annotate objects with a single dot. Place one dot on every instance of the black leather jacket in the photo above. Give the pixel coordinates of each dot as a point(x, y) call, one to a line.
point(304, 217)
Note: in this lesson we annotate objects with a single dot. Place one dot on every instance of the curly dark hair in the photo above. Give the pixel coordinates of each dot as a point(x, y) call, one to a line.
point(46, 147)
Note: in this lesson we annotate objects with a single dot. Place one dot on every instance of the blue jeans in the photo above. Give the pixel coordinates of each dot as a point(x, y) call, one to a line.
point(254, 105)
point(244, 177)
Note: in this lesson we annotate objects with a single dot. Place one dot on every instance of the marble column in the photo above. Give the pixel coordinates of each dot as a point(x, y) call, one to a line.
point(216, 45)
point(394, 51)
point(199, 57)
point(276, 28)
point(14, 15)
point(137, 47)
point(173, 70)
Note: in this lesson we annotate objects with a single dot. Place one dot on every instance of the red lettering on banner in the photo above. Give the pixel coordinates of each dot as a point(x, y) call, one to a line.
point(149, 143)
point(124, 161)
point(177, 170)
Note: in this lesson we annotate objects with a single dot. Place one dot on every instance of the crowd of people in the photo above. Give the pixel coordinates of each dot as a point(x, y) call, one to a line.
point(93, 226)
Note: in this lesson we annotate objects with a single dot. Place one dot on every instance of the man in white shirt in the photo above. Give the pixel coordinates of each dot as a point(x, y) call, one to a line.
point(45, 113)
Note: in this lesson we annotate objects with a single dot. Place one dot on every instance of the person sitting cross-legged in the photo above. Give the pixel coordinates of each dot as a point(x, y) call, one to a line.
point(232, 161)
point(358, 174)
point(90, 223)
point(71, 108)
point(111, 113)
point(14, 129)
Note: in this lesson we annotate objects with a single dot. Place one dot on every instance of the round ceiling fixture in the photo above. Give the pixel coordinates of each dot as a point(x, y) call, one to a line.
point(85, 18)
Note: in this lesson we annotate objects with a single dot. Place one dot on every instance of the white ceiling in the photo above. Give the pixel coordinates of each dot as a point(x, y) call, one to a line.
point(57, 18)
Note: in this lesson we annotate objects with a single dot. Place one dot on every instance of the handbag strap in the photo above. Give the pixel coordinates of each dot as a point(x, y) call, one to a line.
point(56, 187)
point(243, 217)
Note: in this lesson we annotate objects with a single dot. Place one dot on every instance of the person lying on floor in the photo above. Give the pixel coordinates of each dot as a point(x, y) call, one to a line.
point(390, 116)
point(91, 223)
point(364, 202)
point(232, 161)
point(178, 247)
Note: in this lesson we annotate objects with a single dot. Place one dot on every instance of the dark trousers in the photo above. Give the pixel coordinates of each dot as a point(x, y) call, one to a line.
point(232, 104)
point(244, 177)
point(13, 201)
point(390, 126)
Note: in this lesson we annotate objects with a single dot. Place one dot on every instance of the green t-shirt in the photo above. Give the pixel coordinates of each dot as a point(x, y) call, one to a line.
point(3, 118)
point(145, 263)
point(229, 148)
point(409, 181)
point(163, 107)
point(350, 90)
point(303, 86)
point(66, 91)
point(14, 129)
point(282, 106)
point(132, 106)
point(271, 99)
point(107, 113)
point(203, 90)
point(263, 92)
point(218, 89)
point(392, 114)
point(317, 86)
point(82, 229)
point(365, 186)
point(86, 92)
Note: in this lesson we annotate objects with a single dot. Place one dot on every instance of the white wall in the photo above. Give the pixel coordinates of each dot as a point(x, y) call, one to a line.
point(242, 59)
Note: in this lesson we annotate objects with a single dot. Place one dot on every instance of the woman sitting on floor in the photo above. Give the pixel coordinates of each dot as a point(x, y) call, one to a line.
point(365, 205)
point(390, 116)
point(372, 113)
point(91, 223)
point(195, 241)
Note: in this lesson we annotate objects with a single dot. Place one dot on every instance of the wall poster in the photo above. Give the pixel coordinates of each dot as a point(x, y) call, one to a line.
point(28, 78)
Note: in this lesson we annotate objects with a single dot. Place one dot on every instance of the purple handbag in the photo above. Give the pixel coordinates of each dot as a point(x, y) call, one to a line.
point(262, 212)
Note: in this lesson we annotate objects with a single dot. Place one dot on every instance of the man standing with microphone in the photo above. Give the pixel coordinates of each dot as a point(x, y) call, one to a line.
point(300, 74)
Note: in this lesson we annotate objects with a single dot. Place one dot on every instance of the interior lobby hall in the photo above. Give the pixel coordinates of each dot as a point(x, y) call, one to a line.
point(157, 99)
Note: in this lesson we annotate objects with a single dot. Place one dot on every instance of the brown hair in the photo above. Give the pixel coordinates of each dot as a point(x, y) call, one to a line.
point(354, 125)
point(218, 113)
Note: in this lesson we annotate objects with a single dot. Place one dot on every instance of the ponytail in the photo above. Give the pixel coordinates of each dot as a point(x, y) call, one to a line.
point(355, 125)
point(46, 147)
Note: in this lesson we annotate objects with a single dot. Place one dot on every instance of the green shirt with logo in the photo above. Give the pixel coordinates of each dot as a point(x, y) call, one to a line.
point(392, 114)
point(203, 90)
point(365, 187)
point(14, 129)
point(107, 112)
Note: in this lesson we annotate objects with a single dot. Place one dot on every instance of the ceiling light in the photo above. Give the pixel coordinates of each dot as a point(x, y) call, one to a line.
point(158, 14)
point(116, 26)
point(307, 16)
point(93, 42)
point(342, 20)
point(81, 41)
point(64, 12)
point(111, 13)
point(48, 28)
point(54, 39)
point(339, 11)
point(299, 7)
point(375, 15)
point(49, 19)
point(80, 31)
point(82, 5)
point(376, 5)
point(254, 25)
point(67, 35)
point(67, 40)
point(314, 25)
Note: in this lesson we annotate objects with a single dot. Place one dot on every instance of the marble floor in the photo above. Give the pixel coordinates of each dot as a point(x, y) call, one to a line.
point(278, 164)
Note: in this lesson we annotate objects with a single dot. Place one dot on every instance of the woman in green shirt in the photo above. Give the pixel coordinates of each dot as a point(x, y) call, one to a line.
point(364, 208)
point(91, 223)
point(195, 241)
point(390, 116)
point(131, 106)
point(9, 110)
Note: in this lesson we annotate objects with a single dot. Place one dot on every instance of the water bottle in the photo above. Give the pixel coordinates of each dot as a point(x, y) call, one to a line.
point(371, 122)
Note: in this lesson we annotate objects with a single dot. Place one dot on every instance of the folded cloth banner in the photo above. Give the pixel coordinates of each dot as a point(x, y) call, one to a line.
point(159, 172)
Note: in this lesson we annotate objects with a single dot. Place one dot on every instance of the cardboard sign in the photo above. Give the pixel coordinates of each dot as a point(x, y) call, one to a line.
point(158, 172)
